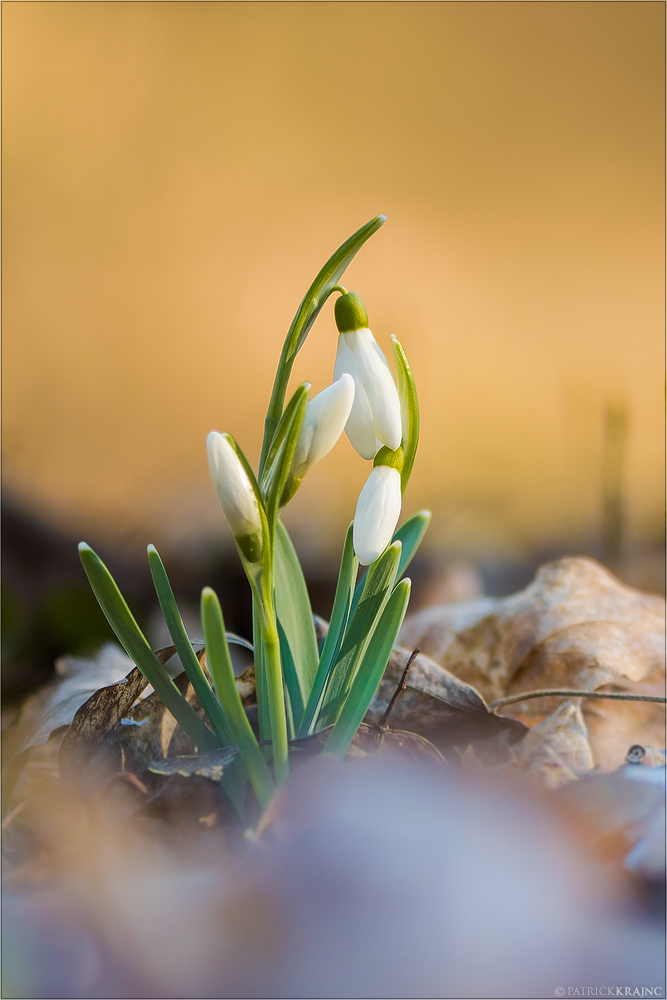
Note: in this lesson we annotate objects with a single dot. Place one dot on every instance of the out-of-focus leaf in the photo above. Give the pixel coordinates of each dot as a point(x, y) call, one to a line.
point(556, 750)
point(57, 704)
point(629, 802)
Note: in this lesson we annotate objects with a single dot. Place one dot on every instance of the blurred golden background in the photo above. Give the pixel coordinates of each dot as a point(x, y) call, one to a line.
point(175, 174)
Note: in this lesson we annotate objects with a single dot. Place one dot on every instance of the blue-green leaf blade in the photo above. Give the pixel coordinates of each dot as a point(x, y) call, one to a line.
point(339, 619)
point(371, 670)
point(298, 641)
point(186, 653)
point(137, 648)
point(410, 535)
point(221, 670)
point(375, 594)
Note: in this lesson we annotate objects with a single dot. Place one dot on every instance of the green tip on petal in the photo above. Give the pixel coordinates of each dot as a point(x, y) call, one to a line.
point(393, 459)
point(350, 313)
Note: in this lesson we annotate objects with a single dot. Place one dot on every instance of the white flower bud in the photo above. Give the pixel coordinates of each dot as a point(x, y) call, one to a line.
point(377, 513)
point(325, 419)
point(236, 495)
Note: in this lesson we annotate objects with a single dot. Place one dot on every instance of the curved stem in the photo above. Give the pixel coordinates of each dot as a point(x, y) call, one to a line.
point(567, 693)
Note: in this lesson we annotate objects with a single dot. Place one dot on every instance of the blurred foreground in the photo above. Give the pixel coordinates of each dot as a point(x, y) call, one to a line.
point(371, 878)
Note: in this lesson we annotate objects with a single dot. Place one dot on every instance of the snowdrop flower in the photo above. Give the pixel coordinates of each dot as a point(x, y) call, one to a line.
point(323, 423)
point(378, 507)
point(376, 412)
point(236, 495)
point(325, 419)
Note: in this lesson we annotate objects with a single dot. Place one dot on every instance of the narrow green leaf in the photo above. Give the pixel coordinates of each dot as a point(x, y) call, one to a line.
point(370, 672)
point(186, 653)
point(407, 392)
point(298, 642)
point(137, 648)
point(377, 590)
point(410, 535)
point(221, 670)
point(281, 433)
point(339, 619)
point(286, 439)
point(306, 315)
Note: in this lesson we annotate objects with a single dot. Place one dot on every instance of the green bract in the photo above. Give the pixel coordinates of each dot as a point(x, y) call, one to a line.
point(300, 689)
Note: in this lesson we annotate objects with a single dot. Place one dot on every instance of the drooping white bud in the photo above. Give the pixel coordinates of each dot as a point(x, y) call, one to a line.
point(376, 412)
point(325, 419)
point(377, 513)
point(236, 495)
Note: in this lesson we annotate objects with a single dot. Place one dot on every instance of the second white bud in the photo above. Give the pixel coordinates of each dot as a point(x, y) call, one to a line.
point(326, 416)
point(236, 495)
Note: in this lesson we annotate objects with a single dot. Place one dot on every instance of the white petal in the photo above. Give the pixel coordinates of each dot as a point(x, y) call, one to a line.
point(232, 485)
point(359, 427)
point(326, 416)
point(376, 517)
point(376, 378)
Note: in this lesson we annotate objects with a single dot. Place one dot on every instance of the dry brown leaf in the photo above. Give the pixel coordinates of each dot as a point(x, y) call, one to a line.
point(57, 704)
point(556, 750)
point(439, 706)
point(96, 719)
point(574, 626)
